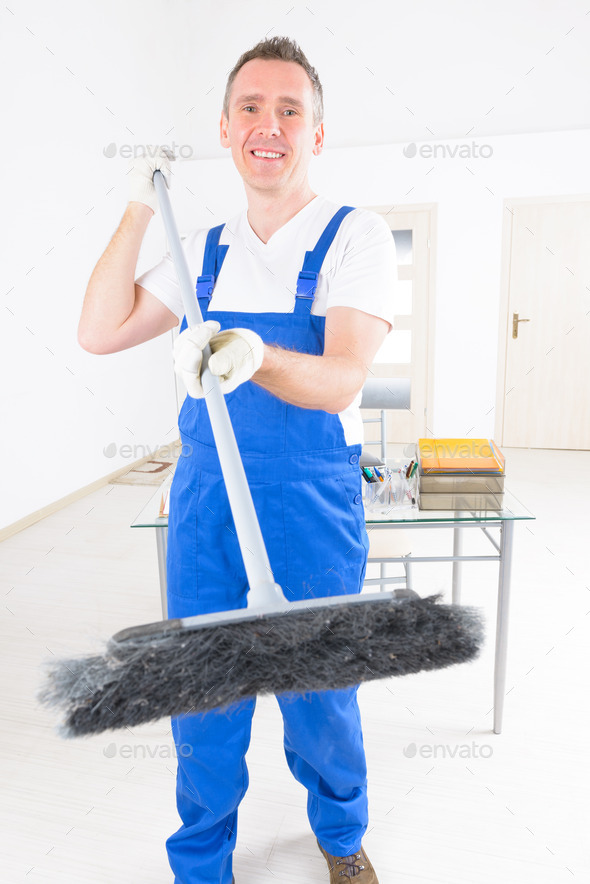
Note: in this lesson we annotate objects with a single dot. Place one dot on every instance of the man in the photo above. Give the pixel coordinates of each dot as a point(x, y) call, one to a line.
point(297, 298)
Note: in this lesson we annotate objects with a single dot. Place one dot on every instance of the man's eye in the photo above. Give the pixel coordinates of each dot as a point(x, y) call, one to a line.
point(249, 107)
point(289, 111)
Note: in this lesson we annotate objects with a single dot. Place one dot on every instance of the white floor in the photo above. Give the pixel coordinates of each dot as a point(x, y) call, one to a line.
point(451, 803)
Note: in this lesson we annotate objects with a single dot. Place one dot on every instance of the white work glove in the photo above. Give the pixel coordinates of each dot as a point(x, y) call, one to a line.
point(141, 173)
point(235, 355)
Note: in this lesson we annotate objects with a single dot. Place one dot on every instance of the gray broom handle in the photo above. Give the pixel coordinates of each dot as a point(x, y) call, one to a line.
point(263, 592)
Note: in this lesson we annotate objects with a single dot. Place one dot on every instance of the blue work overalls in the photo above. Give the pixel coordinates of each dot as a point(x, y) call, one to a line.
point(306, 486)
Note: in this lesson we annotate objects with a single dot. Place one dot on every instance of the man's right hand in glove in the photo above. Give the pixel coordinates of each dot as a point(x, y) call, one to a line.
point(141, 173)
point(236, 354)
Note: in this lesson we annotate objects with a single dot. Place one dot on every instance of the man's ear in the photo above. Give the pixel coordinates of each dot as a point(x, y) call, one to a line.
point(223, 133)
point(318, 140)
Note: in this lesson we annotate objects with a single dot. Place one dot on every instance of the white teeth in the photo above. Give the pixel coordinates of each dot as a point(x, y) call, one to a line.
point(267, 153)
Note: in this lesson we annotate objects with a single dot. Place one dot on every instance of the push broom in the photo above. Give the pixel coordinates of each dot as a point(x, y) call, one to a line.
point(196, 664)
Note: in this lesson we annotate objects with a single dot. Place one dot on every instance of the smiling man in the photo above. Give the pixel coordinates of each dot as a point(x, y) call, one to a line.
point(297, 296)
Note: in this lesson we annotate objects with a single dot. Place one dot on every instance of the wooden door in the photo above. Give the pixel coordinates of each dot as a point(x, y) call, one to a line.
point(545, 382)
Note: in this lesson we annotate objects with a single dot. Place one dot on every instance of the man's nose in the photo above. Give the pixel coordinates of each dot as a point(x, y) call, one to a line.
point(269, 124)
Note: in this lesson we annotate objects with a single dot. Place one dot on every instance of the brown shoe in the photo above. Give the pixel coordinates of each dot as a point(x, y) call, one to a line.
point(357, 866)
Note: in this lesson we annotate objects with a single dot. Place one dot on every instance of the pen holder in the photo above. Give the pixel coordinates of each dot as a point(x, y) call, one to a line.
point(394, 492)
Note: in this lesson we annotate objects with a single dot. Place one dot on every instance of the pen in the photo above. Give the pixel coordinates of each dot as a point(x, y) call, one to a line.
point(409, 470)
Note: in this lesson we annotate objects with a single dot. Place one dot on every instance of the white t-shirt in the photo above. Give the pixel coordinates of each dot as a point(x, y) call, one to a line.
point(359, 271)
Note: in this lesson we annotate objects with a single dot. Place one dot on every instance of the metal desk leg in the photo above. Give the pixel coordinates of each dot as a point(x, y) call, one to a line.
point(162, 544)
point(506, 537)
point(408, 569)
point(457, 548)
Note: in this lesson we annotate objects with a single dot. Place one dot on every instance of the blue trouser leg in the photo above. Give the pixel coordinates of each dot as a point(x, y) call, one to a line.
point(324, 750)
point(211, 781)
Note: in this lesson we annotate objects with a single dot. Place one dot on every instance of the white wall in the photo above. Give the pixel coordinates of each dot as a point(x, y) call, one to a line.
point(75, 80)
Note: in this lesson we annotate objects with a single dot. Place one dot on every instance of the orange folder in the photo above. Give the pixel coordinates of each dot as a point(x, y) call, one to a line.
point(458, 455)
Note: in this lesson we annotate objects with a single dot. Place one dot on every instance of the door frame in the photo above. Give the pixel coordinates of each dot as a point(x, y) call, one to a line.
point(430, 211)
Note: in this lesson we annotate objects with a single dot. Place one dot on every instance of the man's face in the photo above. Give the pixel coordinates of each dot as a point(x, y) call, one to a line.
point(270, 129)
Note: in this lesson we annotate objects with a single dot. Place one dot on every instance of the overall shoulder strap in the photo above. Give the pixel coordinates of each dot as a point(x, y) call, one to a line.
point(307, 281)
point(212, 260)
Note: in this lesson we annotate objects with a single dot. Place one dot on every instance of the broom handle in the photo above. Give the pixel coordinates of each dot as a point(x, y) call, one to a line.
point(263, 591)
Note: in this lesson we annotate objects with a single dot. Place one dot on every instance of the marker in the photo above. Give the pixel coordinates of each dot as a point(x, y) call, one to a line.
point(369, 475)
point(409, 470)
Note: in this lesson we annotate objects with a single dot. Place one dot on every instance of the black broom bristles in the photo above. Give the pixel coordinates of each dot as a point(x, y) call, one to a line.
point(171, 672)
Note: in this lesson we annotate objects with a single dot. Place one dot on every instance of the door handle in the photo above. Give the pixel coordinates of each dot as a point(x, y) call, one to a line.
point(515, 321)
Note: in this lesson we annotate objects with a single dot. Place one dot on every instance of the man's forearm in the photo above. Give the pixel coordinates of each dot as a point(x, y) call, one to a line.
point(110, 295)
point(329, 383)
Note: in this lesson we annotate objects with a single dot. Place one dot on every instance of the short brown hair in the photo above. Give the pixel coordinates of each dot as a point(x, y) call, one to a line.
point(283, 49)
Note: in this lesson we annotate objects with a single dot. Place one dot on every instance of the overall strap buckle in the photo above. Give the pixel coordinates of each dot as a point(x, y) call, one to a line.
point(307, 282)
point(205, 285)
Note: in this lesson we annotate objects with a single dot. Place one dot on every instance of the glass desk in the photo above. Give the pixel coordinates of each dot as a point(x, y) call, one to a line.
point(458, 521)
